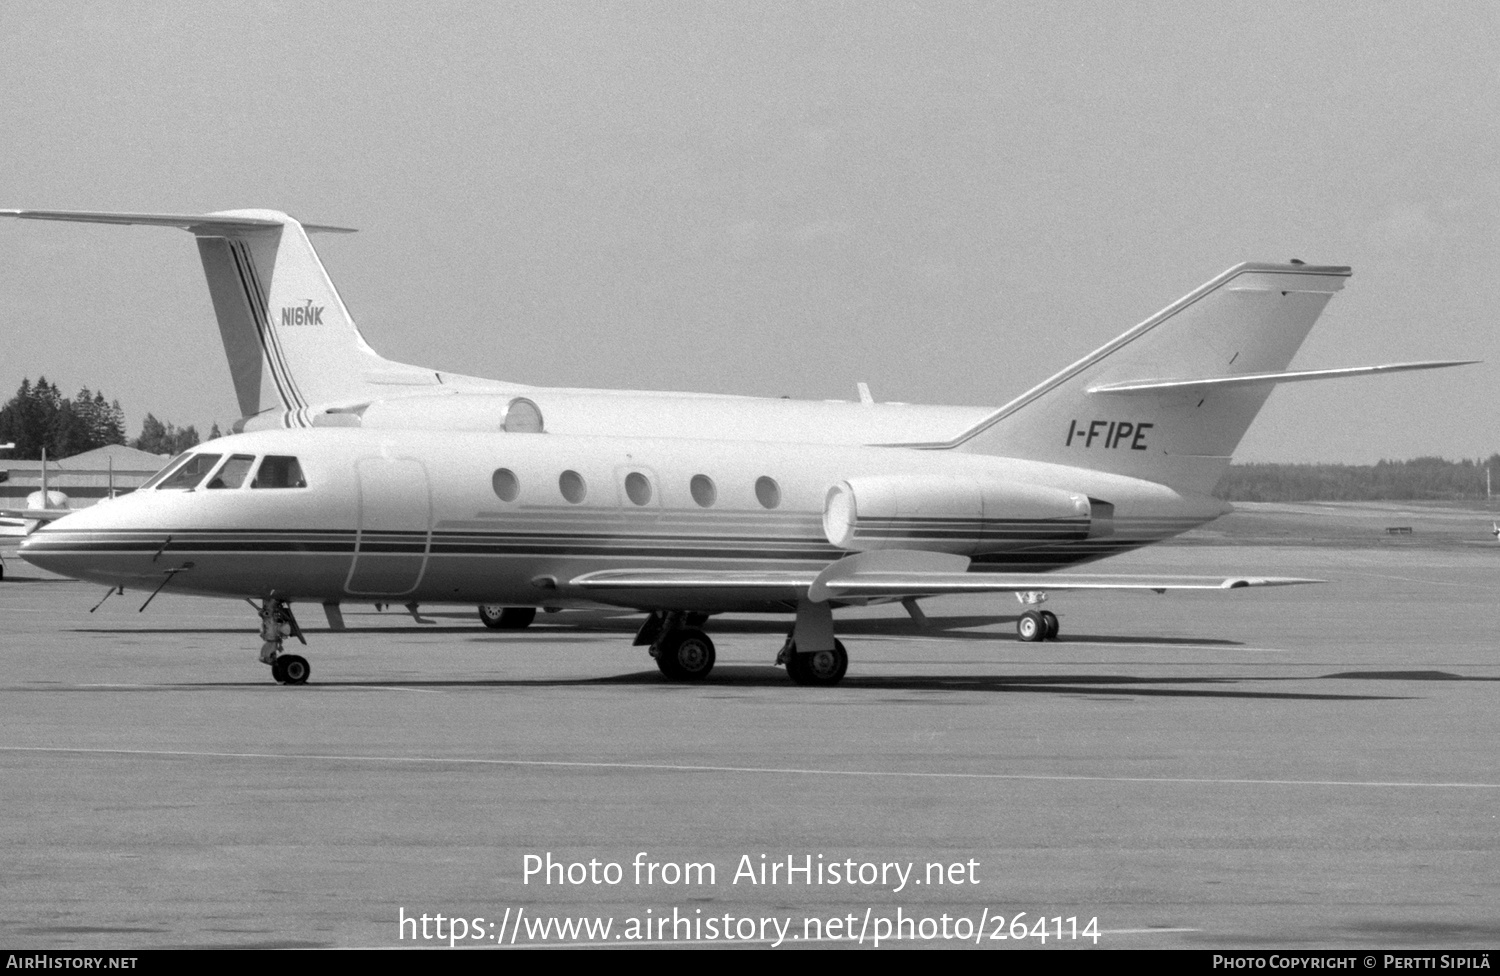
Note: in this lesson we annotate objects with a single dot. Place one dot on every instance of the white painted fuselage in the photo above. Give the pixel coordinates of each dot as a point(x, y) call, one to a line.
point(392, 516)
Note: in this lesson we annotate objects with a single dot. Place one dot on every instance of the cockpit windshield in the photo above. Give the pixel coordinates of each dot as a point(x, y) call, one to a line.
point(233, 472)
point(278, 471)
point(190, 472)
point(167, 469)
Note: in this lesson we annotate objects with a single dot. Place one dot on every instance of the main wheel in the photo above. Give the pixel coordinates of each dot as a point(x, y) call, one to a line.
point(497, 617)
point(294, 669)
point(1031, 626)
point(278, 669)
point(1050, 619)
point(819, 668)
point(686, 655)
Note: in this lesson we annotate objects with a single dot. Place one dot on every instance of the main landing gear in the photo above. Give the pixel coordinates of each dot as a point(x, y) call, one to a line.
point(1037, 625)
point(682, 650)
point(277, 624)
point(497, 617)
point(817, 669)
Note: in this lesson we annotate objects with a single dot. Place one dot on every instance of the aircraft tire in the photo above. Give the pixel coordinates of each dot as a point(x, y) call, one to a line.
point(497, 617)
point(1050, 619)
point(1031, 627)
point(686, 655)
point(820, 669)
point(294, 669)
point(278, 669)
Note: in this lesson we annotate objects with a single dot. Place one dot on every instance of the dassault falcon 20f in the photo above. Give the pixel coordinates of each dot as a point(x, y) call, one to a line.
point(1119, 450)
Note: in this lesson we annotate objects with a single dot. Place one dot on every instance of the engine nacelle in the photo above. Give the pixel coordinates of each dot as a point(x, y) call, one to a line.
point(456, 411)
point(963, 515)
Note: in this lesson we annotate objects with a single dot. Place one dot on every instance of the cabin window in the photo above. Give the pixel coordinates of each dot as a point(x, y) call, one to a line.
point(190, 473)
point(704, 491)
point(279, 472)
point(572, 486)
point(232, 473)
point(507, 486)
point(767, 491)
point(638, 488)
point(170, 467)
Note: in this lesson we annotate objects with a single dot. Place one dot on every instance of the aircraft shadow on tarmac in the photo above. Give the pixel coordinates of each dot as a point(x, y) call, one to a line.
point(947, 629)
point(728, 678)
point(1407, 676)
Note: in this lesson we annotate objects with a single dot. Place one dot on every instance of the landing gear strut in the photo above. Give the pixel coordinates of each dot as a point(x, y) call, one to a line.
point(277, 624)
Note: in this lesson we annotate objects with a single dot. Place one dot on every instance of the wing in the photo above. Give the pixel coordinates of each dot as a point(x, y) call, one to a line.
point(35, 514)
point(894, 573)
point(936, 584)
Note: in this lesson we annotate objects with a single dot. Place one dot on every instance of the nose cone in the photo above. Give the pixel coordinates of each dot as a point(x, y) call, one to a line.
point(91, 544)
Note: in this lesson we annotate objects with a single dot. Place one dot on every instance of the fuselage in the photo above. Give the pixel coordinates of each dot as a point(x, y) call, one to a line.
point(446, 517)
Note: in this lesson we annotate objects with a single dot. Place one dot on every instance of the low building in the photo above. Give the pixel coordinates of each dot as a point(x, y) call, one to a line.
point(85, 478)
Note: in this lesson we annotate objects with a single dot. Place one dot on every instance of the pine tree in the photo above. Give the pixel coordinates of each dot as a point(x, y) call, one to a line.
point(153, 439)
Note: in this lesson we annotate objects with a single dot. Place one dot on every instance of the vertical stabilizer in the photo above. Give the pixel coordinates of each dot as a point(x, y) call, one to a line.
point(290, 341)
point(1131, 407)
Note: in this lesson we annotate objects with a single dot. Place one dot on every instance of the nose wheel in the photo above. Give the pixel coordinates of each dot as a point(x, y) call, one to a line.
point(277, 624)
point(291, 669)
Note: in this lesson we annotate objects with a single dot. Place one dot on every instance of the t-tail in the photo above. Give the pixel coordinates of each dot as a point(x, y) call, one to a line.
point(1170, 399)
point(291, 343)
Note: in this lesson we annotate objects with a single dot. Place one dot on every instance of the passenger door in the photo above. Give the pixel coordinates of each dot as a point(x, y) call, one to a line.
point(395, 527)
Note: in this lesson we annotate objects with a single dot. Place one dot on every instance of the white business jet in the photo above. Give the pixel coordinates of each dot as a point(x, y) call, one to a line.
point(1119, 450)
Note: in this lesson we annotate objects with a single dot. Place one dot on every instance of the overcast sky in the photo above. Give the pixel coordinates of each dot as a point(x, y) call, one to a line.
point(948, 201)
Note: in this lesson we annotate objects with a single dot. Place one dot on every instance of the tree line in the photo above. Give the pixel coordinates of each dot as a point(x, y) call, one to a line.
point(39, 416)
point(1423, 478)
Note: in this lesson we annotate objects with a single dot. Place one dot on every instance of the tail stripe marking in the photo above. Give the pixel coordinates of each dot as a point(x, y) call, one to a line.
point(275, 356)
point(263, 315)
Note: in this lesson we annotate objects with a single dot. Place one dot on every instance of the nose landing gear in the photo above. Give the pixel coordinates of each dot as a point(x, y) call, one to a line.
point(277, 624)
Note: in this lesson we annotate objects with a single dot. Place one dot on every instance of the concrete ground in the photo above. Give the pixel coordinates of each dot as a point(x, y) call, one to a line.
point(1306, 767)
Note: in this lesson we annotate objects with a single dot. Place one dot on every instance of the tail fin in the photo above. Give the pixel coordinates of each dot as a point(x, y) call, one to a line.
point(1169, 400)
point(290, 341)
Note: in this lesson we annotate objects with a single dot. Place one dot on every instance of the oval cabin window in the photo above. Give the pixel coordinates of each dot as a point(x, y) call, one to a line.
point(507, 486)
point(572, 486)
point(638, 488)
point(704, 492)
point(767, 491)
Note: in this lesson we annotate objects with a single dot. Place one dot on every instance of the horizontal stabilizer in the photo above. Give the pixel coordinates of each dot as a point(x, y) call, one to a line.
point(35, 514)
point(1254, 379)
point(197, 223)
